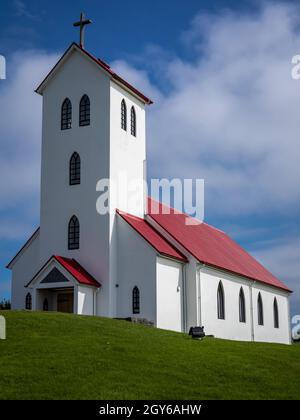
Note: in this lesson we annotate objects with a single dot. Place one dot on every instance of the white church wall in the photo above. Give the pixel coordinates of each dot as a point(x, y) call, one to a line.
point(191, 292)
point(23, 270)
point(127, 156)
point(136, 267)
point(85, 300)
point(59, 200)
point(169, 295)
point(231, 328)
point(51, 297)
point(267, 332)
point(190, 276)
point(127, 152)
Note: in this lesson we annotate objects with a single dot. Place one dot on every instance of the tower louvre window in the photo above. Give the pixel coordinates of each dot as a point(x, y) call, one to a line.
point(123, 115)
point(133, 121)
point(73, 233)
point(84, 111)
point(74, 175)
point(66, 114)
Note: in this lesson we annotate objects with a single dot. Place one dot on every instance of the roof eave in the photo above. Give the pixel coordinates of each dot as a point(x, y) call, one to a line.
point(225, 270)
point(27, 243)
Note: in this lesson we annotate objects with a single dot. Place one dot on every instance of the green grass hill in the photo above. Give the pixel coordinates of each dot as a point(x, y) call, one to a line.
point(61, 356)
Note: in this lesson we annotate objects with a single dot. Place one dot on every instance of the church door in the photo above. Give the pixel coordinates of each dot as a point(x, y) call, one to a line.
point(65, 302)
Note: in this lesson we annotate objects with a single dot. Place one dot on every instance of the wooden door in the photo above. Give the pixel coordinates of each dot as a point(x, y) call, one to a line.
point(65, 302)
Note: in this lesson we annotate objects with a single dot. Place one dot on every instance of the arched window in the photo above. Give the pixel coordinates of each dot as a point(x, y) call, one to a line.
point(275, 313)
point(123, 115)
point(260, 310)
point(45, 305)
point(28, 302)
point(133, 121)
point(221, 302)
point(74, 177)
point(135, 300)
point(66, 114)
point(242, 306)
point(84, 111)
point(73, 233)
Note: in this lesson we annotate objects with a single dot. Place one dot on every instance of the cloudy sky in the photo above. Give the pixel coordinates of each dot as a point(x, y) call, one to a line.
point(226, 109)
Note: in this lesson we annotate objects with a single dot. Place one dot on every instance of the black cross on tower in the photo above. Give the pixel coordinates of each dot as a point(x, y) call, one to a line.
point(83, 21)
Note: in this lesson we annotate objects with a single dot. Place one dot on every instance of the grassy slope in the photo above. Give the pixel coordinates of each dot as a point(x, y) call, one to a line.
point(60, 356)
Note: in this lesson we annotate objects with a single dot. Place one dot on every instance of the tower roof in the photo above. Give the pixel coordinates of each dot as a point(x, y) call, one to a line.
point(101, 64)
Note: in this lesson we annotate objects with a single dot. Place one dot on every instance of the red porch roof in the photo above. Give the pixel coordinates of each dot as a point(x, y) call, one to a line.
point(74, 268)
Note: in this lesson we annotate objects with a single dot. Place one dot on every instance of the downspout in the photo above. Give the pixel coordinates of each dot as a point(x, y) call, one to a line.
point(184, 297)
point(289, 319)
point(95, 301)
point(251, 311)
point(199, 295)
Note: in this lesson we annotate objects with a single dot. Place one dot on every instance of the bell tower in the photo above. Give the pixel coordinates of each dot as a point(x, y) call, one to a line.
point(108, 146)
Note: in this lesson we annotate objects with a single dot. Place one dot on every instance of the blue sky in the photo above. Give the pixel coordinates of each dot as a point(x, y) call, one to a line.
point(226, 109)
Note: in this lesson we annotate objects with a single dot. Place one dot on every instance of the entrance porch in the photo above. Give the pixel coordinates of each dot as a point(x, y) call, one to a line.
point(63, 285)
point(59, 300)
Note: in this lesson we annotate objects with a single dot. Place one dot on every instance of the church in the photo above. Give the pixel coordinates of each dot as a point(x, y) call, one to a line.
point(146, 265)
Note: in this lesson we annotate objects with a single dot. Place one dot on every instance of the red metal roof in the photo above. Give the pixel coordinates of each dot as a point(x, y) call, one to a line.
point(154, 238)
point(210, 245)
point(77, 271)
point(101, 64)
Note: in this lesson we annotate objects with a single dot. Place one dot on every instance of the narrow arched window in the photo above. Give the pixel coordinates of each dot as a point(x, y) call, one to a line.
point(242, 306)
point(260, 310)
point(73, 233)
point(84, 111)
point(275, 314)
point(74, 172)
point(221, 302)
point(28, 302)
point(45, 305)
point(66, 114)
point(133, 121)
point(123, 115)
point(135, 300)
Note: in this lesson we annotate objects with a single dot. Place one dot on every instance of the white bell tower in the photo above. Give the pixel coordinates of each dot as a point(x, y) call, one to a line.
point(108, 150)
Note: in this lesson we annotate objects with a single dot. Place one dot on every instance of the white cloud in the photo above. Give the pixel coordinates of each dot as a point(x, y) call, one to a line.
point(232, 115)
point(282, 258)
point(22, 10)
point(20, 140)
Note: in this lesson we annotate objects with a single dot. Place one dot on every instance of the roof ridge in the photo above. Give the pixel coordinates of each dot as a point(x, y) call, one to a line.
point(186, 215)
